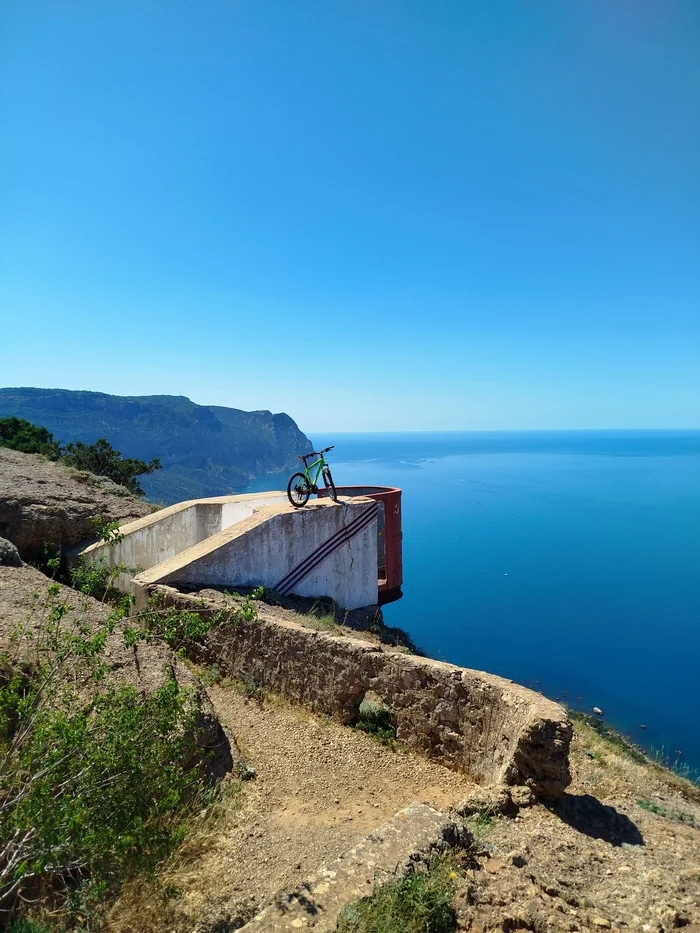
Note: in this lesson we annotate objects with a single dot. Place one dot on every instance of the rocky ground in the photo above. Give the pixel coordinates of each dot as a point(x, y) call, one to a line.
point(594, 861)
point(597, 860)
point(42, 501)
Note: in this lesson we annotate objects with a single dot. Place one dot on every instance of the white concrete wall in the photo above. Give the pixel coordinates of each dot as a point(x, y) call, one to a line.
point(155, 538)
point(143, 547)
point(240, 507)
point(262, 549)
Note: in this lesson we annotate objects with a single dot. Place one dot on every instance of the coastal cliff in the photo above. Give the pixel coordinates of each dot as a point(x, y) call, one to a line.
point(205, 450)
point(316, 808)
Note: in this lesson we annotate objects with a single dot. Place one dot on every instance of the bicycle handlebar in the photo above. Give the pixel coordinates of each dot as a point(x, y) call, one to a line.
point(316, 453)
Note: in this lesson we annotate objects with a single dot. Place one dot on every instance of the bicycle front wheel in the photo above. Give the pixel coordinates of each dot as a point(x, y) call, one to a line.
point(329, 484)
point(298, 491)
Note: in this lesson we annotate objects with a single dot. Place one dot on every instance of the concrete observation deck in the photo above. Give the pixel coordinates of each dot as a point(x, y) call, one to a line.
point(327, 549)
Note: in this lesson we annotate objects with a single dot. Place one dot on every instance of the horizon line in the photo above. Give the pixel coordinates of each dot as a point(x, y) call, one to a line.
point(502, 430)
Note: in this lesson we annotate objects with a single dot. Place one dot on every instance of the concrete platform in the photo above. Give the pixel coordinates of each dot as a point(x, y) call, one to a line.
point(325, 549)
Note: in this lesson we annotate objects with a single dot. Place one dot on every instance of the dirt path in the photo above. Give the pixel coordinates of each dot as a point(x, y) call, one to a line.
point(319, 788)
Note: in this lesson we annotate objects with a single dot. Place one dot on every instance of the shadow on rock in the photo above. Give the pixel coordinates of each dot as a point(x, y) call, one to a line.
point(589, 816)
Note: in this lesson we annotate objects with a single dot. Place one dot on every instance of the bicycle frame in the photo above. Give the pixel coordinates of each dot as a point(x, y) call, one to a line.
point(313, 483)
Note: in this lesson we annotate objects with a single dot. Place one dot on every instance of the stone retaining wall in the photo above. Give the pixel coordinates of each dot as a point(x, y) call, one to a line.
point(490, 728)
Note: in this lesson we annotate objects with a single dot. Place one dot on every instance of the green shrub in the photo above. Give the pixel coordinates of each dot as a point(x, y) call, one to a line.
point(97, 579)
point(46, 558)
point(178, 628)
point(376, 720)
point(101, 458)
point(75, 777)
point(249, 687)
point(184, 630)
point(419, 903)
point(18, 434)
point(95, 780)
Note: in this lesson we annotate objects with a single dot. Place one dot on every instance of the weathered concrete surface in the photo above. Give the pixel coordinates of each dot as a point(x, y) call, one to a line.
point(42, 501)
point(490, 728)
point(158, 537)
point(326, 549)
point(399, 846)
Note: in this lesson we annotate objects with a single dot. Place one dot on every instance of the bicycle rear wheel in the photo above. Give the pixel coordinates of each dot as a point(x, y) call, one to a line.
point(298, 491)
point(329, 484)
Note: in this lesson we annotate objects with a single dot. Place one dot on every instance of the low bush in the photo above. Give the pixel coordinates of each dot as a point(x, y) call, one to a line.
point(26, 925)
point(184, 630)
point(18, 434)
point(95, 781)
point(419, 903)
point(375, 719)
point(687, 819)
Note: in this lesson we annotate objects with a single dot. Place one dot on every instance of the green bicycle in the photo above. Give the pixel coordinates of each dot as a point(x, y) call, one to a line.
point(301, 485)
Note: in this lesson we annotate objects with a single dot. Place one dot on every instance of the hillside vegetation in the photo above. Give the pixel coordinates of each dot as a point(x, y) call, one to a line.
point(100, 458)
point(108, 746)
point(205, 450)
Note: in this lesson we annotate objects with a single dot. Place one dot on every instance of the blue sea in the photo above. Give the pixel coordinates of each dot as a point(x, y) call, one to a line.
point(566, 561)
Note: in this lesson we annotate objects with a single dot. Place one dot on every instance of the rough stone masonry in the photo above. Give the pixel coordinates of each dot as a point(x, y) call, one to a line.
point(478, 723)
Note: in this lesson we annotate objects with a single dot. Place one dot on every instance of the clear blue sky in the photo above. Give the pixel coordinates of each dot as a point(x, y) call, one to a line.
point(372, 214)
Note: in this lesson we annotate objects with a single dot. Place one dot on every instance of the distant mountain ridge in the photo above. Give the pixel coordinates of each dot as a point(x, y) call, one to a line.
point(206, 450)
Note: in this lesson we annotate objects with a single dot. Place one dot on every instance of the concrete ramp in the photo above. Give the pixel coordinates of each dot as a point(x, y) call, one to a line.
point(155, 538)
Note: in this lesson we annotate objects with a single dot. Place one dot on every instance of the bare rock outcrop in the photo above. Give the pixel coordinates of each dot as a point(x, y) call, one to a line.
point(42, 501)
point(9, 555)
point(401, 845)
point(24, 602)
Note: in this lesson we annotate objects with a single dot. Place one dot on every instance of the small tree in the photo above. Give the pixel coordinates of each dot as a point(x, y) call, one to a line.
point(18, 434)
point(103, 459)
